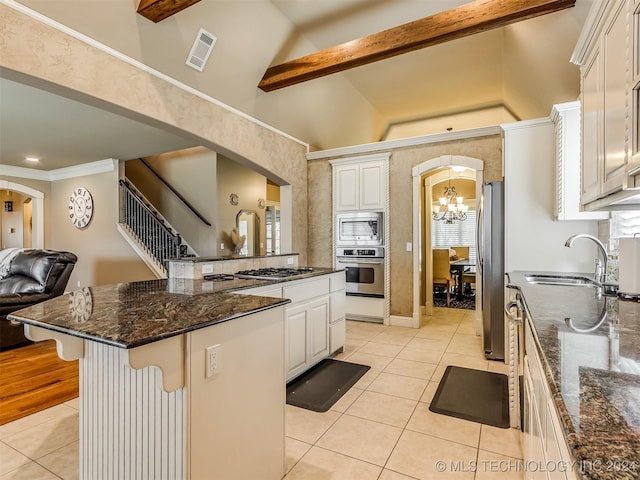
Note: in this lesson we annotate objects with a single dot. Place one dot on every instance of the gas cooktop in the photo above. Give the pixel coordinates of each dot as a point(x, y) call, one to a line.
point(274, 273)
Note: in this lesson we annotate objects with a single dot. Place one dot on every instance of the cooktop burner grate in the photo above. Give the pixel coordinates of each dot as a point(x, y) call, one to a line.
point(274, 272)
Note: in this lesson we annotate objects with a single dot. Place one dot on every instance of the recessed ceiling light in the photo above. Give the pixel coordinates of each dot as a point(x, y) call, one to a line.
point(32, 159)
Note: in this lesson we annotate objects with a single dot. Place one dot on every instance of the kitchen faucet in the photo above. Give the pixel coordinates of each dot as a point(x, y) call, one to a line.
point(601, 267)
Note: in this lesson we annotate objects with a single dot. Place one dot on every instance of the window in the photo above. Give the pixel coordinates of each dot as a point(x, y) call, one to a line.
point(625, 223)
point(463, 233)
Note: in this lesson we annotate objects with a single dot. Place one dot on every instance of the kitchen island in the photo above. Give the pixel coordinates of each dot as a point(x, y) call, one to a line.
point(178, 378)
point(581, 382)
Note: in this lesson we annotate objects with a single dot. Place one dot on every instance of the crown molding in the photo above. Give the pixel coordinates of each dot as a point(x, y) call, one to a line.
point(92, 168)
point(590, 31)
point(405, 142)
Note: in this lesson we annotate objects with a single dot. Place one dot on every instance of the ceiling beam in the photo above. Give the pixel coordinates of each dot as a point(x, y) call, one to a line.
point(468, 19)
point(156, 10)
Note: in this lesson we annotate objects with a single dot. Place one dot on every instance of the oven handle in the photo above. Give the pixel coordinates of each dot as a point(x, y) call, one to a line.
point(373, 262)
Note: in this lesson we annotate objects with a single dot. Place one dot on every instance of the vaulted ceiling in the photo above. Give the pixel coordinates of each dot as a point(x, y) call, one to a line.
point(524, 67)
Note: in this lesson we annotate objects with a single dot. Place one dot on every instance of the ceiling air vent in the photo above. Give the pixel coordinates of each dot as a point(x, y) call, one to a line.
point(201, 49)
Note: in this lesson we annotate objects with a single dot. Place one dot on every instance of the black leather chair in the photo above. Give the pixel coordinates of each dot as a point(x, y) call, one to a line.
point(33, 276)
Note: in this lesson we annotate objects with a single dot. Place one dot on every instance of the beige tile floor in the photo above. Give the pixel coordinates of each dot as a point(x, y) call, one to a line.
point(380, 429)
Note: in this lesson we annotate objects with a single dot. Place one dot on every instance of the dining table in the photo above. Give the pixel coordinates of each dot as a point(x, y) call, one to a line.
point(458, 267)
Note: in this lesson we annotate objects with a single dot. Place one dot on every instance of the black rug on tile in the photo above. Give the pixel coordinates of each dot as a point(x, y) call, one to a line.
point(323, 385)
point(467, 303)
point(475, 395)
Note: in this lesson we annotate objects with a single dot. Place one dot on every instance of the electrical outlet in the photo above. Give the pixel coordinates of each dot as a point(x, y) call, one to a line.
point(290, 261)
point(222, 246)
point(207, 269)
point(212, 360)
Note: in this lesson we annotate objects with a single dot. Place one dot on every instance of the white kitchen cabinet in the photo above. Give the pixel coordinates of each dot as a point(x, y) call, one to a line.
point(360, 183)
point(633, 168)
point(306, 334)
point(543, 440)
point(605, 53)
point(296, 326)
point(591, 133)
point(338, 305)
point(615, 78)
point(319, 329)
point(314, 320)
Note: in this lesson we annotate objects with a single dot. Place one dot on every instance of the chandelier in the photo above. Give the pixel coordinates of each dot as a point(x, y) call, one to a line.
point(451, 206)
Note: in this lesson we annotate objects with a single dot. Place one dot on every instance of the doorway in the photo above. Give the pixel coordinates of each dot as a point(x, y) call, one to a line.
point(437, 170)
point(24, 225)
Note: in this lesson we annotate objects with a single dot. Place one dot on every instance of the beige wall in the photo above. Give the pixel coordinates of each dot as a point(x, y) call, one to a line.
point(104, 256)
point(402, 161)
point(192, 173)
point(51, 60)
point(249, 186)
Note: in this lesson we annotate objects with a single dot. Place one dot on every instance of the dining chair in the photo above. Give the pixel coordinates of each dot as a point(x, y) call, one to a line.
point(442, 271)
point(461, 252)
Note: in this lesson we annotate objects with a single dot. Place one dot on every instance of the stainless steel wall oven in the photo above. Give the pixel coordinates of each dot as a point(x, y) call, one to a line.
point(364, 269)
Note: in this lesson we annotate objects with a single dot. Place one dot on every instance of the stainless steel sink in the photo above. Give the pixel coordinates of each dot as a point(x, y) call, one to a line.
point(568, 280)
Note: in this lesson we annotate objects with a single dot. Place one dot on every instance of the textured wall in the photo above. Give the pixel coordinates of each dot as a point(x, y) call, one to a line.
point(52, 60)
point(488, 149)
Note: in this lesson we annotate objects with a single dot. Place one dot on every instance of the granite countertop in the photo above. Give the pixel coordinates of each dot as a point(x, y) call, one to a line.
point(592, 365)
point(128, 315)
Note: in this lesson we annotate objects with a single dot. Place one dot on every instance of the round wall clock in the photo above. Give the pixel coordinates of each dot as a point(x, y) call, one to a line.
point(80, 207)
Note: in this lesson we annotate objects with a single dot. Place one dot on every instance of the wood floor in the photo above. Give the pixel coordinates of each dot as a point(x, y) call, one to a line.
point(33, 378)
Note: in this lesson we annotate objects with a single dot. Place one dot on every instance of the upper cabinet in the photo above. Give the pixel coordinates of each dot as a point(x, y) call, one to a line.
point(605, 52)
point(360, 183)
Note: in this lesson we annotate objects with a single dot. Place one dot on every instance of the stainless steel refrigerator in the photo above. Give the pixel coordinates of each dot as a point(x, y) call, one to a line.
point(491, 261)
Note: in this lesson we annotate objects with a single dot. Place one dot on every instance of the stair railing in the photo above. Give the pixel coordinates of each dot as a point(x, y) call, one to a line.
point(145, 223)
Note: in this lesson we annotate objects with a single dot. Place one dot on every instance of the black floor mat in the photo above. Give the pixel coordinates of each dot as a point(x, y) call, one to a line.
point(474, 395)
point(323, 385)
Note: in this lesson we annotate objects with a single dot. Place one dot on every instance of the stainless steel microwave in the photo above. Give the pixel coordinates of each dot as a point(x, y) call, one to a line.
point(359, 228)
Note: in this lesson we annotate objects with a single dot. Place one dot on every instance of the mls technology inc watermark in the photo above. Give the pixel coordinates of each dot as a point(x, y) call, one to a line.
point(503, 466)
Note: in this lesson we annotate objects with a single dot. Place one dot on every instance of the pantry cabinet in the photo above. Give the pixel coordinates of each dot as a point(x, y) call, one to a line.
point(360, 183)
point(607, 53)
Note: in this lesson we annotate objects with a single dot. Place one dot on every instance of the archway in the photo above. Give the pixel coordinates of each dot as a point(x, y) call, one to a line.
point(444, 161)
point(37, 212)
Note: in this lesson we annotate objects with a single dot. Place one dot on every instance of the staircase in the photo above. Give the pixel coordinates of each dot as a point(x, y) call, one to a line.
point(147, 231)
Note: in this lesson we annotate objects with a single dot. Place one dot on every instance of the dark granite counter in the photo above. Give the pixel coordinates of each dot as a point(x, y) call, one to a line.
point(128, 315)
point(592, 366)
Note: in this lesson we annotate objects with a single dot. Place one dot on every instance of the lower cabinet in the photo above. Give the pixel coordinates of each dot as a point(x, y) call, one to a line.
point(306, 335)
point(314, 320)
point(545, 450)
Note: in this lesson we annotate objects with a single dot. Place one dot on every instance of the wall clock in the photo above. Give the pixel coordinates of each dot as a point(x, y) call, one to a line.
point(80, 207)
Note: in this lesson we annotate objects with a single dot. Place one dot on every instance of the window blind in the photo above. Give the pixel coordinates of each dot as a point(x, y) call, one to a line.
point(462, 233)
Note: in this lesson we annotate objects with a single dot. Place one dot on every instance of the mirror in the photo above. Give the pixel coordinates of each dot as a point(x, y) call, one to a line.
point(248, 224)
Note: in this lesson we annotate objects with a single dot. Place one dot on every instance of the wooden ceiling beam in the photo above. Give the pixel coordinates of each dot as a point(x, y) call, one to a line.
point(468, 19)
point(156, 10)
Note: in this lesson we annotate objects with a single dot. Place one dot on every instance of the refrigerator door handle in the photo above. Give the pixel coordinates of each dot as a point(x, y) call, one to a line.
point(479, 236)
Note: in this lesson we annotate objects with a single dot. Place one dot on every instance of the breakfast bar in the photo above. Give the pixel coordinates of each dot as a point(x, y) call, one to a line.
point(178, 377)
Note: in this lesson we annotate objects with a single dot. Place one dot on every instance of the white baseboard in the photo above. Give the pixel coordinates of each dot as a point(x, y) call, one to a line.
point(398, 321)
